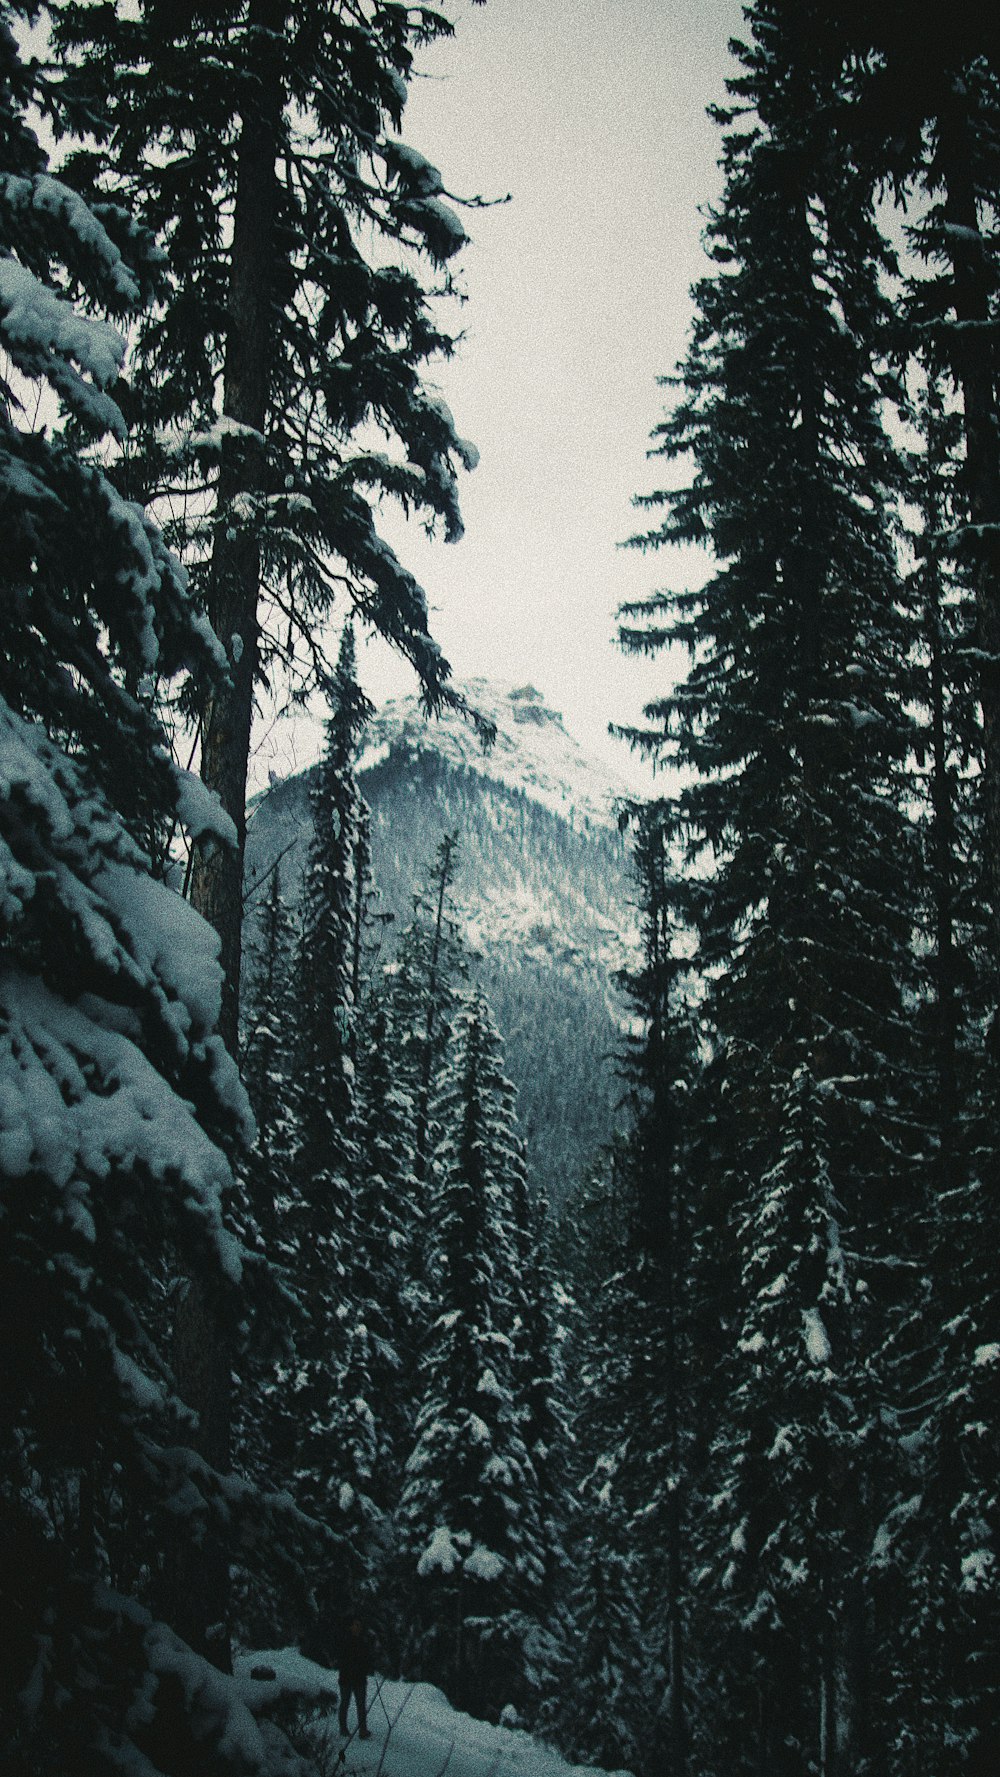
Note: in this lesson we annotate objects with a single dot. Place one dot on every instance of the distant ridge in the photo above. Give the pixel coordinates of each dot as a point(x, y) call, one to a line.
point(533, 751)
point(542, 891)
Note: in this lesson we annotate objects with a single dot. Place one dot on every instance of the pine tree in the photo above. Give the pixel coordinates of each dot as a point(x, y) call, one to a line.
point(606, 1716)
point(334, 1446)
point(793, 722)
point(663, 1274)
point(271, 1597)
point(121, 1108)
point(791, 1456)
point(268, 1060)
point(922, 117)
point(328, 960)
point(606, 1711)
point(386, 1287)
point(468, 1516)
point(256, 138)
point(537, 1323)
point(431, 962)
point(935, 1543)
point(641, 1391)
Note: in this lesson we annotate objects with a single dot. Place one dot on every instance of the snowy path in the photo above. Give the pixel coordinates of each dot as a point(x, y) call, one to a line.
point(416, 1733)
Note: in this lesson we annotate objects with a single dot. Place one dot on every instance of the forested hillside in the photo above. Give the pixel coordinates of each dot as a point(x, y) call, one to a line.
point(645, 1404)
point(541, 891)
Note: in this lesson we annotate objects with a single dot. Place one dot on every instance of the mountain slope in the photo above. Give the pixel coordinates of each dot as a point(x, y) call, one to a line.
point(533, 750)
point(542, 892)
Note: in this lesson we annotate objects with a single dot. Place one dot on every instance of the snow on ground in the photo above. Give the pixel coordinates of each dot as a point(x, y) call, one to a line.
point(414, 1730)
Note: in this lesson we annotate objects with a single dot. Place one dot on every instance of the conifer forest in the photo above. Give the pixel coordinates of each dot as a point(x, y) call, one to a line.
point(684, 1460)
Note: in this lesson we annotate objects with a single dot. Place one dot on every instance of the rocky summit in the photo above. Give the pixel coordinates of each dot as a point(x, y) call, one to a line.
point(542, 891)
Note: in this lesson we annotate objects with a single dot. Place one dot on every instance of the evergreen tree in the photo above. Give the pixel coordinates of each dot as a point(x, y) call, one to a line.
point(431, 961)
point(791, 1461)
point(606, 1716)
point(923, 117)
point(793, 722)
point(328, 961)
point(334, 1415)
point(391, 1302)
point(271, 1601)
point(268, 1061)
point(469, 1516)
point(538, 1316)
point(948, 780)
point(663, 1274)
point(606, 1713)
point(934, 1584)
point(121, 1107)
point(256, 138)
point(641, 1390)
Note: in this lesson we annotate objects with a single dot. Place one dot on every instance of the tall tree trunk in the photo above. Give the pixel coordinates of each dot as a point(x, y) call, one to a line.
point(217, 886)
point(203, 1333)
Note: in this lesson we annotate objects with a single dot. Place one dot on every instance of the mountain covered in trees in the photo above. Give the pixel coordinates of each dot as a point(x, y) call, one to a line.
point(541, 892)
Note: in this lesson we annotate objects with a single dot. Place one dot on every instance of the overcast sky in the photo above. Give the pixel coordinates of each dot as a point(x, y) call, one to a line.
point(591, 114)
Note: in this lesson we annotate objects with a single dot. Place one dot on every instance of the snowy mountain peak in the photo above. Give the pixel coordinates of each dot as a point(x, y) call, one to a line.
point(533, 751)
point(543, 893)
point(527, 706)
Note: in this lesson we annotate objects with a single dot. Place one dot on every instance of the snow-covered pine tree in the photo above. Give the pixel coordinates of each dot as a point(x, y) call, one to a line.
point(469, 1514)
point(537, 1330)
point(790, 1463)
point(606, 1707)
point(390, 1301)
point(922, 117)
point(954, 1578)
point(793, 723)
point(120, 1105)
point(257, 139)
point(948, 779)
point(536, 1320)
point(941, 1690)
point(930, 115)
point(268, 1060)
point(271, 1594)
point(641, 1394)
point(319, 1226)
point(607, 1713)
point(423, 992)
point(673, 1327)
point(327, 963)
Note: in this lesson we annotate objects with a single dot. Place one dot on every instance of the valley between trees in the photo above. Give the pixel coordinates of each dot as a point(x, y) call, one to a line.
point(696, 1471)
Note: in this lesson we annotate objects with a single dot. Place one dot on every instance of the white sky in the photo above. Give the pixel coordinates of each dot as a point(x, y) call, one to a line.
point(591, 114)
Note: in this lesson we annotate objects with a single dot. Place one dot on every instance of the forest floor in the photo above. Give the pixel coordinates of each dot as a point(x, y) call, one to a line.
point(414, 1730)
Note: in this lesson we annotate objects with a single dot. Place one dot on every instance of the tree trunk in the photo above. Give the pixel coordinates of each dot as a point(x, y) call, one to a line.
point(203, 1333)
point(217, 884)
